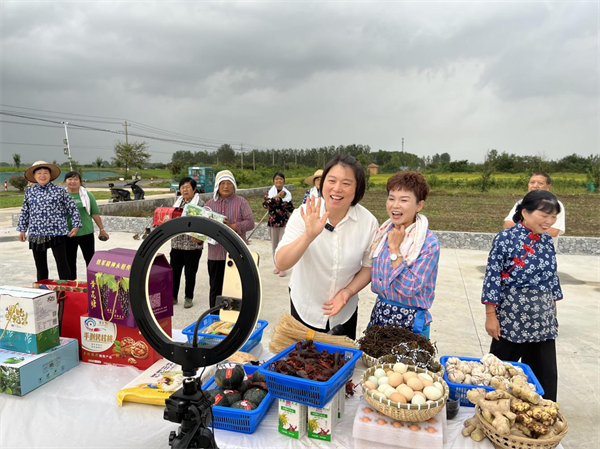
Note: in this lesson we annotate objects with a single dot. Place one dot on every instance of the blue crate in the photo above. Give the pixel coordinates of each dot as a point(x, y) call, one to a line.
point(206, 339)
point(459, 391)
point(310, 392)
point(238, 420)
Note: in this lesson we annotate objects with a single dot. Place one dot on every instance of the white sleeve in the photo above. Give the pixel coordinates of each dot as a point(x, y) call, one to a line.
point(293, 229)
point(560, 220)
point(367, 261)
point(509, 217)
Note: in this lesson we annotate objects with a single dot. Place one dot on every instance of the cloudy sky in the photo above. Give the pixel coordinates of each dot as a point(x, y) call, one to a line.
point(456, 77)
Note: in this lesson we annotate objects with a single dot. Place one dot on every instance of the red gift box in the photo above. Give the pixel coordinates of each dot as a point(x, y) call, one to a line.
point(113, 344)
point(162, 214)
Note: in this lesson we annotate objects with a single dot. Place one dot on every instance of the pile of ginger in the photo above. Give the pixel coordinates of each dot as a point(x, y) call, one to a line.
point(514, 410)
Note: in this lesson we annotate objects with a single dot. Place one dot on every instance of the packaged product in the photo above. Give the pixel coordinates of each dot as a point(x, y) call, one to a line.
point(292, 418)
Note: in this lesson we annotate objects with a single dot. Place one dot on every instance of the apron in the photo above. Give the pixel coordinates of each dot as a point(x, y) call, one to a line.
point(387, 313)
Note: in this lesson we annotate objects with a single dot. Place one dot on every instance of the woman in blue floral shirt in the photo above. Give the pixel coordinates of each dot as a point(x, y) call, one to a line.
point(43, 219)
point(520, 289)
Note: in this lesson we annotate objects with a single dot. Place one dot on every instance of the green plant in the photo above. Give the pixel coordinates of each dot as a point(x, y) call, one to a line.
point(18, 182)
point(283, 420)
point(10, 381)
point(593, 172)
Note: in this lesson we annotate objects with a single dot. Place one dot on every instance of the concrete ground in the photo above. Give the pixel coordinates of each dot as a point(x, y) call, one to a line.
point(458, 327)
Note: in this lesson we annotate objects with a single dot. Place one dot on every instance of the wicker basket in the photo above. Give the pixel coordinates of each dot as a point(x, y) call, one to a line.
point(370, 361)
point(516, 442)
point(405, 412)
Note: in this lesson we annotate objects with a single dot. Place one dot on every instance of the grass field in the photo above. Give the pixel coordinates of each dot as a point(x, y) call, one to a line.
point(15, 199)
point(477, 212)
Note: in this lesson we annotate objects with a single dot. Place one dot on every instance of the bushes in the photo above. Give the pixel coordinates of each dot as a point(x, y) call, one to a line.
point(18, 182)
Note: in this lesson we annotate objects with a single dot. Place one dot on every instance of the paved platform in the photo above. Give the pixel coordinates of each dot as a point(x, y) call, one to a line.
point(458, 327)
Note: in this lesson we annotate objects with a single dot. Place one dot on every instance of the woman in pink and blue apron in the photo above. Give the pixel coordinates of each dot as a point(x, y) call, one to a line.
point(405, 258)
point(521, 287)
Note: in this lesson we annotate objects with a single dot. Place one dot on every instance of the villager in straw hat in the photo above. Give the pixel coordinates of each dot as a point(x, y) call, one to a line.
point(315, 181)
point(43, 219)
point(238, 216)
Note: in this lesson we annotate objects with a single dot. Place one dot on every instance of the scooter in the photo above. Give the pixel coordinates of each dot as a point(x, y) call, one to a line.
point(120, 194)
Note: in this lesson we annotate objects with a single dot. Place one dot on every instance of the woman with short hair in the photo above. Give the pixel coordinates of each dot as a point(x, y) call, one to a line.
point(521, 287)
point(88, 211)
point(278, 201)
point(327, 241)
point(43, 219)
point(405, 258)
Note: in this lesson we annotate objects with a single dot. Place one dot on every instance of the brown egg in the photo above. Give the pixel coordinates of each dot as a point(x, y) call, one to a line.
point(395, 379)
point(426, 383)
point(431, 430)
point(370, 385)
point(367, 410)
point(420, 393)
point(397, 424)
point(415, 384)
point(414, 427)
point(381, 422)
point(432, 421)
point(381, 414)
point(405, 391)
point(366, 419)
point(388, 372)
point(397, 397)
point(407, 375)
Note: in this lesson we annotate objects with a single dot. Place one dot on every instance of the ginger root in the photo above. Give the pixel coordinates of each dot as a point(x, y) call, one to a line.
point(473, 429)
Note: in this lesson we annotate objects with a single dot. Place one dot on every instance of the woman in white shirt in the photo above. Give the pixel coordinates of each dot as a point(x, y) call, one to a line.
point(327, 241)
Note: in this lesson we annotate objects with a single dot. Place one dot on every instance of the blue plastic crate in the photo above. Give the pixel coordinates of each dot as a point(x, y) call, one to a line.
point(239, 420)
point(310, 392)
point(459, 391)
point(206, 339)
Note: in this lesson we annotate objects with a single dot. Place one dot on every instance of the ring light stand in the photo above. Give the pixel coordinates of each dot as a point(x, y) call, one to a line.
point(188, 405)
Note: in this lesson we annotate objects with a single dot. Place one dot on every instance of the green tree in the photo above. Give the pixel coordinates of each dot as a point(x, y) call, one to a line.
point(131, 154)
point(226, 154)
point(593, 172)
point(18, 182)
point(487, 169)
point(17, 159)
point(99, 161)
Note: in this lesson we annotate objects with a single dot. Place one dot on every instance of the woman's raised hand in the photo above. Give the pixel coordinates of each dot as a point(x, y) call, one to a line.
point(313, 224)
point(396, 236)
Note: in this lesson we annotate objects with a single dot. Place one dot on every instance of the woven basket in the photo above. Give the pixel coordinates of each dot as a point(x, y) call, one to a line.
point(516, 442)
point(405, 412)
point(370, 361)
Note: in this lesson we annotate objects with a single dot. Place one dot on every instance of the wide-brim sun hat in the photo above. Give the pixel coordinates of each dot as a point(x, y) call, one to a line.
point(311, 179)
point(54, 170)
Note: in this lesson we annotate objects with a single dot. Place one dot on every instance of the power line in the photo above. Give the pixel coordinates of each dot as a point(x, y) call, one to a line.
point(58, 112)
point(56, 146)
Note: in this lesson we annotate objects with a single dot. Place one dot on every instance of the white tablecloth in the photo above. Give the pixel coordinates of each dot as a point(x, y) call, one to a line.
point(79, 409)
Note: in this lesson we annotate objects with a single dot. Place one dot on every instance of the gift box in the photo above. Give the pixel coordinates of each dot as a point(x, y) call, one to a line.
point(21, 373)
point(108, 281)
point(162, 214)
point(108, 343)
point(28, 319)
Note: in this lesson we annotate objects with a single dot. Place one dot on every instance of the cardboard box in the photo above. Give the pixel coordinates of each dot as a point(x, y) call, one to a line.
point(28, 319)
point(113, 344)
point(108, 293)
point(292, 418)
point(322, 421)
point(21, 373)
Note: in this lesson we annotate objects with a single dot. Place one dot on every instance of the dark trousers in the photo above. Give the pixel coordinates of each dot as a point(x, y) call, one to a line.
point(59, 251)
point(349, 326)
point(216, 271)
point(540, 356)
point(87, 245)
point(189, 260)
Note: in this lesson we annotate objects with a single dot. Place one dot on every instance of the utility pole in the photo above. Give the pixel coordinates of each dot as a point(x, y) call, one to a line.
point(242, 151)
point(273, 156)
point(253, 160)
point(67, 150)
point(295, 157)
point(403, 144)
point(126, 135)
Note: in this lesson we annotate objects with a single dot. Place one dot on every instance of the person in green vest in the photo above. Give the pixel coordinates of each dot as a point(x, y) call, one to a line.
point(88, 210)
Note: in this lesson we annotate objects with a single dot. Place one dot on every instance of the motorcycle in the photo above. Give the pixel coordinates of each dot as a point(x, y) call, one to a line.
point(120, 194)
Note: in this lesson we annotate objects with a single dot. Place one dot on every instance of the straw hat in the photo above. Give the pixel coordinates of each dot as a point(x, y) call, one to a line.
point(311, 179)
point(54, 170)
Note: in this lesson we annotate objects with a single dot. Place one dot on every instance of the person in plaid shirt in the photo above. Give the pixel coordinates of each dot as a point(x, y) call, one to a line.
point(405, 258)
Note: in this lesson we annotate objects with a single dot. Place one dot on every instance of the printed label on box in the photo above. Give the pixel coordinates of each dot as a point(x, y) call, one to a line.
point(292, 419)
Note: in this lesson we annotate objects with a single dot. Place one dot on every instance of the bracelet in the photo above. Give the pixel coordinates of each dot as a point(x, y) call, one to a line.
point(101, 229)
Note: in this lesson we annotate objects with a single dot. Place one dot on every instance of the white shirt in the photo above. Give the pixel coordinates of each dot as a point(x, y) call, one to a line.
point(329, 263)
point(560, 220)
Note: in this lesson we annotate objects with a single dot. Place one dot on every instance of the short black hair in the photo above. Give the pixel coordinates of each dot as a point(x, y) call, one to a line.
point(187, 179)
point(537, 200)
point(72, 174)
point(544, 174)
point(346, 160)
point(281, 175)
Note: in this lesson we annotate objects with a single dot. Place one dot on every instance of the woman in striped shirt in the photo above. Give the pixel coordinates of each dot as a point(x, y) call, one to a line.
point(406, 255)
point(239, 217)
